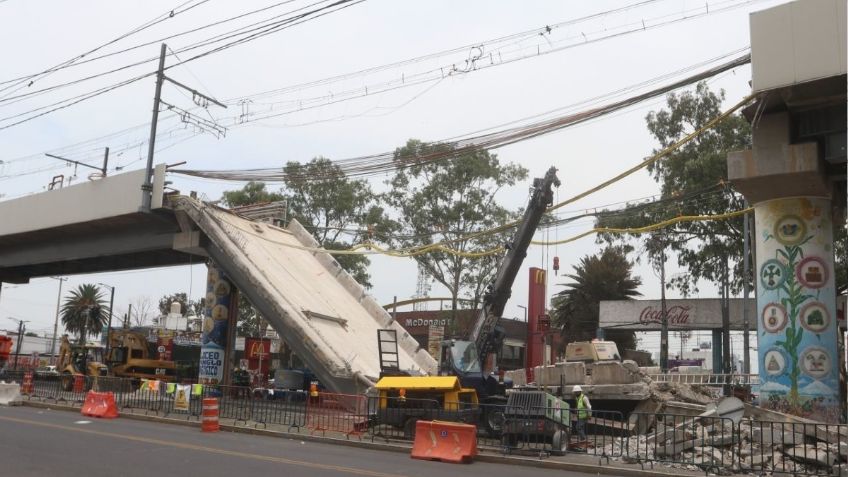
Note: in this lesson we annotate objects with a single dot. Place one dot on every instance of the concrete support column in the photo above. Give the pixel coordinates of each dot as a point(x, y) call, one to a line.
point(221, 300)
point(796, 301)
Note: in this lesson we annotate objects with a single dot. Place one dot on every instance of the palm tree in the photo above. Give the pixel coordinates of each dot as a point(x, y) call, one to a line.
point(85, 312)
point(606, 276)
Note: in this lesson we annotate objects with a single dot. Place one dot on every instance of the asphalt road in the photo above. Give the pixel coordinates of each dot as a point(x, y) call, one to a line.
point(40, 442)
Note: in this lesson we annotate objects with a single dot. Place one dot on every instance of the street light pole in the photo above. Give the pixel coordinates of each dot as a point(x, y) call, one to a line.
point(109, 328)
point(56, 320)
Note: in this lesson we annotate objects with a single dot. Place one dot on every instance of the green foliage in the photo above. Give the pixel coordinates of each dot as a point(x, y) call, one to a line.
point(334, 208)
point(452, 198)
point(85, 312)
point(693, 182)
point(195, 306)
point(605, 276)
point(252, 193)
point(250, 322)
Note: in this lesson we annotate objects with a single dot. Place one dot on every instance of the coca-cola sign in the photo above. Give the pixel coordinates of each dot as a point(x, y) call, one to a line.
point(682, 314)
point(677, 315)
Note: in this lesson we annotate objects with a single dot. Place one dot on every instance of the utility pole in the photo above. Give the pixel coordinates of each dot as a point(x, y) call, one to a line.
point(128, 321)
point(21, 330)
point(725, 319)
point(664, 330)
point(147, 186)
point(56, 320)
point(746, 273)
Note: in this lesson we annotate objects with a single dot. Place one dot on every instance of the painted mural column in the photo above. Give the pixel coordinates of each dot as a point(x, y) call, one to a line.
point(217, 315)
point(796, 300)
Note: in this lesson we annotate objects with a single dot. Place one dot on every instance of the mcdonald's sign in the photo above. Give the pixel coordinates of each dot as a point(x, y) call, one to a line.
point(257, 348)
point(539, 276)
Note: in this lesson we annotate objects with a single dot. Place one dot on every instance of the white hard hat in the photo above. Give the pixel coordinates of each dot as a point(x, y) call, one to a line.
point(577, 389)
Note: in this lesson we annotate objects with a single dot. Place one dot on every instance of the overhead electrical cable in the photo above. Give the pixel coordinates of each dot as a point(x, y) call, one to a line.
point(386, 162)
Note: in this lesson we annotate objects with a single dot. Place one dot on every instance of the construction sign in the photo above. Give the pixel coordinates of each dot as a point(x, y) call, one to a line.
point(182, 396)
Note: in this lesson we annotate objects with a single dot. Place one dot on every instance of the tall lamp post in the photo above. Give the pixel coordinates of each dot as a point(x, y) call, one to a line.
point(21, 329)
point(109, 328)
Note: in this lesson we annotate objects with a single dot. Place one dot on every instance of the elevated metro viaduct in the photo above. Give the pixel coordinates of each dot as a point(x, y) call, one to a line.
point(316, 306)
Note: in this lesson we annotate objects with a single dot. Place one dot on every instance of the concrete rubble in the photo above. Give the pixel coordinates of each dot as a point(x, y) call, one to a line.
point(763, 443)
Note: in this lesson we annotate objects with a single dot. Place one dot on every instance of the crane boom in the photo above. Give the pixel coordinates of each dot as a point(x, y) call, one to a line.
point(485, 334)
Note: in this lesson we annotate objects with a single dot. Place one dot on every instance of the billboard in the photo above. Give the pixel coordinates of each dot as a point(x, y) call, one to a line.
point(683, 314)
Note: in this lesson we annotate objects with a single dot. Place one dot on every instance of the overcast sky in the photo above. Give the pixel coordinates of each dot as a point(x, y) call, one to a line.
point(540, 72)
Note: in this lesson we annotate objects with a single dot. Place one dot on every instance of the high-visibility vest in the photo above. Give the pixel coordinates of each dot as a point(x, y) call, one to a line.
point(582, 413)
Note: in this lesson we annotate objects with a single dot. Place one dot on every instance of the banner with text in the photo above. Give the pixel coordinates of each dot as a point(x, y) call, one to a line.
point(685, 314)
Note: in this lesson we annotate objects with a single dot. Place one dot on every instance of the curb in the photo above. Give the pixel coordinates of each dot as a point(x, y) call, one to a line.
point(482, 457)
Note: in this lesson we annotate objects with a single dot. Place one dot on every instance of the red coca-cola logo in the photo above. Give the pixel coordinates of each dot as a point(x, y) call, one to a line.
point(677, 315)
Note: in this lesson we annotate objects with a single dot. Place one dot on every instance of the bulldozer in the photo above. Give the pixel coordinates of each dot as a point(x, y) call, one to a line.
point(130, 356)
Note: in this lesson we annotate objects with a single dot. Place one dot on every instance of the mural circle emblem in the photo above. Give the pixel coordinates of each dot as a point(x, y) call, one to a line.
point(815, 362)
point(812, 272)
point(772, 274)
point(790, 230)
point(222, 288)
point(814, 317)
point(219, 312)
point(774, 362)
point(774, 317)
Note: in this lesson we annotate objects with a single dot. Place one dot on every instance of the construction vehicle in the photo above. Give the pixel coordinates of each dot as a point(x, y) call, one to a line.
point(130, 356)
point(80, 360)
point(533, 417)
point(466, 359)
point(403, 400)
point(592, 351)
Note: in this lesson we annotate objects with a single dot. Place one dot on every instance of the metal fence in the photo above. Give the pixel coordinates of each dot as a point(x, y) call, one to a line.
point(713, 444)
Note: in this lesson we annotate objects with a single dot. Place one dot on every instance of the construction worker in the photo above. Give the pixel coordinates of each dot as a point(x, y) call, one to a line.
point(584, 409)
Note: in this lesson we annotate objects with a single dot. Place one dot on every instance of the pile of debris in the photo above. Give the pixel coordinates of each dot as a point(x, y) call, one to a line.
point(762, 442)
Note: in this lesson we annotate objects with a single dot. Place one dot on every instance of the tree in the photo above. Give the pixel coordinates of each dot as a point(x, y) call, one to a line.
point(142, 308)
point(840, 248)
point(337, 210)
point(252, 193)
point(250, 321)
point(85, 311)
point(446, 200)
point(186, 307)
point(605, 276)
point(693, 181)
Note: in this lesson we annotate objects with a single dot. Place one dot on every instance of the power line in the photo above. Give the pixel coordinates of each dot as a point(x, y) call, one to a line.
point(444, 150)
point(32, 78)
point(278, 26)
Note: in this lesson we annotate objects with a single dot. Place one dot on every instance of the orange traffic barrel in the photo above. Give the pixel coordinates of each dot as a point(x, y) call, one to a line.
point(26, 386)
point(209, 418)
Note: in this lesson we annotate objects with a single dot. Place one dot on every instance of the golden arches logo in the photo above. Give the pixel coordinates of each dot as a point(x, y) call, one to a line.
point(257, 349)
point(540, 277)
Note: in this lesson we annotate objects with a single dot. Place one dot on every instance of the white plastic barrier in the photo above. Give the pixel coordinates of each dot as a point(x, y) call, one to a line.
point(9, 393)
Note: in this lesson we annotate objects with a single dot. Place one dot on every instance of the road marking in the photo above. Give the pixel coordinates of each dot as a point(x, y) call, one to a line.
point(211, 450)
point(82, 422)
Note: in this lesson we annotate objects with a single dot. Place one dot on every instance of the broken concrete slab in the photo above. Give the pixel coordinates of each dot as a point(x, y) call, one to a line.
point(815, 429)
point(625, 392)
point(679, 408)
point(811, 454)
point(770, 436)
point(644, 416)
point(573, 373)
point(612, 372)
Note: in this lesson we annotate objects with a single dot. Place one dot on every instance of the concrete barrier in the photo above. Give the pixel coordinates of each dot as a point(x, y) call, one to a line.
point(574, 373)
point(611, 372)
point(10, 394)
point(547, 375)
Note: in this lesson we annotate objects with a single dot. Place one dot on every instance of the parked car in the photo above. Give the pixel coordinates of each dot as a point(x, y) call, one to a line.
point(46, 371)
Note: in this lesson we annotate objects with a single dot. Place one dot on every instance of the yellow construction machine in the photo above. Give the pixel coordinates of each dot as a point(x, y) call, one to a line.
point(130, 356)
point(79, 360)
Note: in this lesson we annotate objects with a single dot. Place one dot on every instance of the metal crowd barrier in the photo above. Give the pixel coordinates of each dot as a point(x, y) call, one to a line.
point(707, 442)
